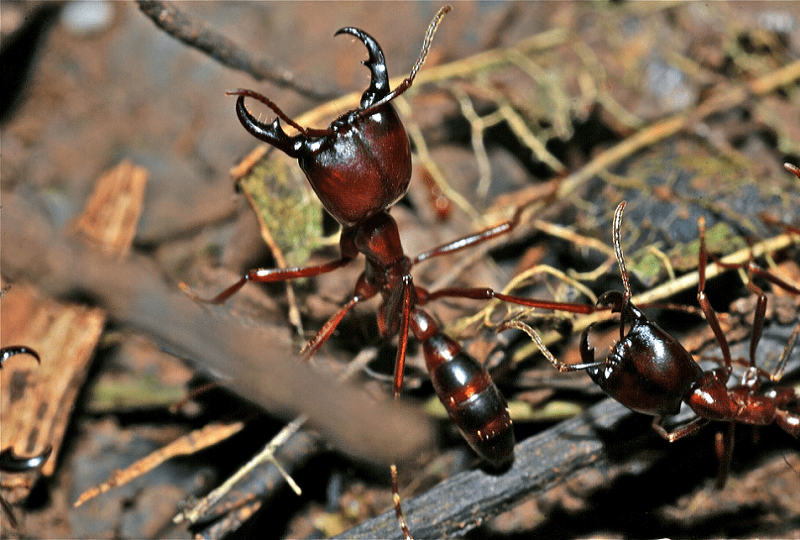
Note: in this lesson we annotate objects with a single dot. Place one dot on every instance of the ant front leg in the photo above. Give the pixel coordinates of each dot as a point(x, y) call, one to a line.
point(743, 403)
point(483, 293)
point(473, 239)
point(274, 275)
point(705, 305)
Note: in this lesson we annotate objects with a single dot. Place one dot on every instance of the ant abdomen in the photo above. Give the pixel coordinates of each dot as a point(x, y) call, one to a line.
point(471, 398)
point(361, 164)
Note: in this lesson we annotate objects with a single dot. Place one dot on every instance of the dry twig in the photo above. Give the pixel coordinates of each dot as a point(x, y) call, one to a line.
point(196, 34)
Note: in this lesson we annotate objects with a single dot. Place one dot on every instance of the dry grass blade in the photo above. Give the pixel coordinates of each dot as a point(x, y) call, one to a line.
point(188, 444)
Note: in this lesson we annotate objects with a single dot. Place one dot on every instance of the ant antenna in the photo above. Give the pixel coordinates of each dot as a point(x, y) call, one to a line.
point(426, 43)
point(423, 54)
point(626, 282)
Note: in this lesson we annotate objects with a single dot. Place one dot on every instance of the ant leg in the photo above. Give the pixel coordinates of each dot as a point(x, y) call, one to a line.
point(787, 350)
point(753, 269)
point(402, 344)
point(468, 241)
point(363, 291)
point(723, 446)
point(9, 512)
point(401, 517)
point(327, 329)
point(488, 294)
point(705, 305)
point(681, 432)
point(758, 320)
point(788, 422)
point(270, 275)
point(784, 397)
point(397, 387)
point(480, 293)
point(761, 304)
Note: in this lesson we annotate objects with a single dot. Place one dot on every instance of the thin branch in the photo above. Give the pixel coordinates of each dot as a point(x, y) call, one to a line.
point(196, 34)
point(466, 500)
point(257, 361)
point(261, 484)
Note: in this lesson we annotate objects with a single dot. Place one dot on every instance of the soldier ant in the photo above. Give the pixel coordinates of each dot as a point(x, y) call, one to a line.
point(650, 372)
point(9, 461)
point(359, 167)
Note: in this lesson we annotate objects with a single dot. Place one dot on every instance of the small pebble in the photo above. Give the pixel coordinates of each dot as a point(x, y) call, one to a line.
point(781, 22)
point(87, 17)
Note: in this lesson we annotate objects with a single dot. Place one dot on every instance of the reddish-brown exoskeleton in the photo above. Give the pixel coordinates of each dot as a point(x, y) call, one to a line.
point(9, 461)
point(359, 167)
point(649, 371)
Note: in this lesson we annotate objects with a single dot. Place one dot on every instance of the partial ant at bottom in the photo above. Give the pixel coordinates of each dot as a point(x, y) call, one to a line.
point(650, 372)
point(10, 462)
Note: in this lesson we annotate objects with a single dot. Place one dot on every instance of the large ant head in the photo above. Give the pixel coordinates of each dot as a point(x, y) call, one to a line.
point(361, 164)
point(364, 165)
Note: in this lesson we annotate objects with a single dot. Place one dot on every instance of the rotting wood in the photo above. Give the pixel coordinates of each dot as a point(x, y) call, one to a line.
point(464, 501)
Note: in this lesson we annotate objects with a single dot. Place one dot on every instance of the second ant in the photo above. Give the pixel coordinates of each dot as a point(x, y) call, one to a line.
point(650, 372)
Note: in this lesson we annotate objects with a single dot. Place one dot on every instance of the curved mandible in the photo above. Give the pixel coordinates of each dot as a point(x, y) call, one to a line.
point(8, 352)
point(272, 133)
point(12, 463)
point(379, 76)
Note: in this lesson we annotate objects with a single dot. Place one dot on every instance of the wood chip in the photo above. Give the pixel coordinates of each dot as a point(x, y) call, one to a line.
point(110, 217)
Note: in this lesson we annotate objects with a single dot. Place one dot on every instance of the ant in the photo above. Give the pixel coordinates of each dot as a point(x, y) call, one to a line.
point(650, 372)
point(359, 167)
point(9, 461)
